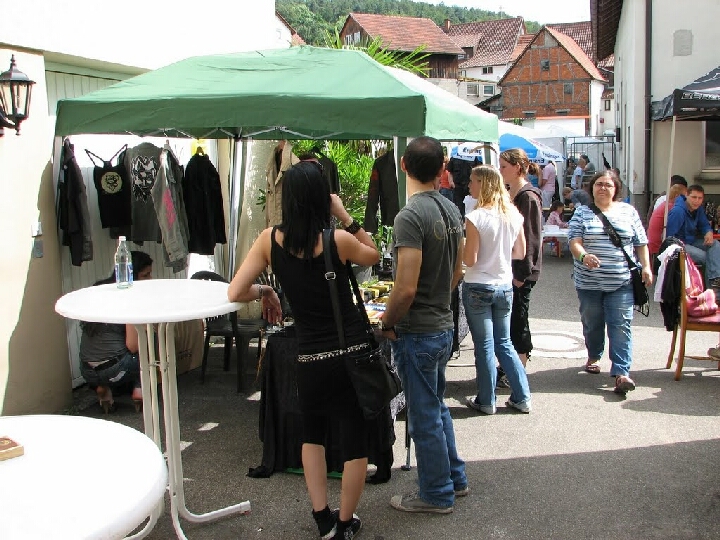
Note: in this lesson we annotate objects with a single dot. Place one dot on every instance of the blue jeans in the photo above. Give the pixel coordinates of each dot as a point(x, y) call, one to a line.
point(487, 308)
point(421, 360)
point(124, 372)
point(447, 193)
point(614, 310)
point(708, 256)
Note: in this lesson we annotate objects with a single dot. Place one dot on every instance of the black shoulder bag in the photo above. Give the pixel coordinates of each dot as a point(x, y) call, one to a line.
point(374, 380)
point(641, 298)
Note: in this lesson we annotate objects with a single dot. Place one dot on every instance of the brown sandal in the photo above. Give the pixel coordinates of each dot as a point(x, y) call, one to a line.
point(591, 366)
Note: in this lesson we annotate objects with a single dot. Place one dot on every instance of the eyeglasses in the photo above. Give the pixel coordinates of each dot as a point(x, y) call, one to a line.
point(606, 185)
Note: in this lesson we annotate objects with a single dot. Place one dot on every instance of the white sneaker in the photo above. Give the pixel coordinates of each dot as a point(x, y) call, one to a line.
point(524, 407)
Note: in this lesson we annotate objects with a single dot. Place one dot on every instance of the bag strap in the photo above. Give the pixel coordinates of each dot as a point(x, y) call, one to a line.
point(613, 234)
point(446, 219)
point(331, 278)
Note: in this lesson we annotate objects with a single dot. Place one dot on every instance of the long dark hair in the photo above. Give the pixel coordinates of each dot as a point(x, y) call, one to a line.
point(140, 260)
point(305, 207)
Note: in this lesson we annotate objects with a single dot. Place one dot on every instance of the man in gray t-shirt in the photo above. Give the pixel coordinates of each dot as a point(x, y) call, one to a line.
point(418, 321)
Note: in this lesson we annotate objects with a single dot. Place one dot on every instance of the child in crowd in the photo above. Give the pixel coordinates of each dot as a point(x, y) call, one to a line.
point(555, 216)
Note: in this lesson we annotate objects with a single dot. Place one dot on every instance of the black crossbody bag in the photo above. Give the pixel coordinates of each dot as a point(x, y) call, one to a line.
point(641, 301)
point(372, 376)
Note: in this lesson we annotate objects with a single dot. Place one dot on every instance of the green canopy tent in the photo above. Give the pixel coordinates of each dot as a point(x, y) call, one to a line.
point(296, 93)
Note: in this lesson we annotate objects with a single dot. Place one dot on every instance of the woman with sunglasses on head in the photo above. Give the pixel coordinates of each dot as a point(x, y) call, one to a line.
point(494, 236)
point(294, 249)
point(602, 276)
point(515, 166)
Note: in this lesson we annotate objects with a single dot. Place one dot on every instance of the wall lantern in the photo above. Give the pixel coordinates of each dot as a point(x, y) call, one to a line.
point(15, 90)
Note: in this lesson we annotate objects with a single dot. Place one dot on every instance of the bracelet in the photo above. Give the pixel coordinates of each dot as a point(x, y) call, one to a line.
point(261, 292)
point(582, 257)
point(354, 227)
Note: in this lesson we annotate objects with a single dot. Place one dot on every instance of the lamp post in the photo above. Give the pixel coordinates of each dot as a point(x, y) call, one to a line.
point(15, 90)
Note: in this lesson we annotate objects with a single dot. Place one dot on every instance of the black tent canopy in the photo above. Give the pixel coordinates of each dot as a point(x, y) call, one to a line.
point(699, 100)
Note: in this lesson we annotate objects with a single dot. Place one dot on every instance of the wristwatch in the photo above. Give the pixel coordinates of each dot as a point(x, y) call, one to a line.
point(384, 328)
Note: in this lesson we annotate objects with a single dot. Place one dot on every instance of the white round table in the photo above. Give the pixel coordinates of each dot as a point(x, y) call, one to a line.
point(79, 478)
point(161, 302)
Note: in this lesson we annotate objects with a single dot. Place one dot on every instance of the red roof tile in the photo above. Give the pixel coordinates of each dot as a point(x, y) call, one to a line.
point(581, 32)
point(523, 41)
point(493, 41)
point(407, 33)
point(576, 52)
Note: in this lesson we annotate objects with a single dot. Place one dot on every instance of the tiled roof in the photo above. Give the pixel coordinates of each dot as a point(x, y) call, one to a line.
point(581, 32)
point(576, 52)
point(407, 33)
point(523, 41)
point(494, 41)
point(295, 38)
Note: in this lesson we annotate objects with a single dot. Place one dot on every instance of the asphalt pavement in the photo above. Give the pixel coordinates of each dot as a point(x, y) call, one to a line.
point(585, 464)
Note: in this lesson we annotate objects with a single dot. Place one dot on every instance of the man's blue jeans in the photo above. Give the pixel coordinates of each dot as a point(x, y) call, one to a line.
point(487, 308)
point(708, 256)
point(614, 310)
point(421, 360)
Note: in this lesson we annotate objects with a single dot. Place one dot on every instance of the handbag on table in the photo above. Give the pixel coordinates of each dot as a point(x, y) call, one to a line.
point(641, 301)
point(373, 378)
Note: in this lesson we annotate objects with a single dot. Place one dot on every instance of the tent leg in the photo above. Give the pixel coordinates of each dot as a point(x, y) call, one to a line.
point(669, 172)
point(237, 188)
point(400, 144)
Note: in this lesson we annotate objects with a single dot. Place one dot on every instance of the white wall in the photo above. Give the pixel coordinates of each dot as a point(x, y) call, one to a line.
point(495, 76)
point(87, 36)
point(596, 105)
point(575, 126)
point(629, 93)
point(684, 48)
point(607, 117)
point(143, 33)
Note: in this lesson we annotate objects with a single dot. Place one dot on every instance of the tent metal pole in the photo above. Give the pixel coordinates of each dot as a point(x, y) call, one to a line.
point(669, 171)
point(236, 181)
point(400, 144)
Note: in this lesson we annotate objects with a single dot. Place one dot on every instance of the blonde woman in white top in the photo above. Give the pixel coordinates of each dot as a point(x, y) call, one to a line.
point(494, 236)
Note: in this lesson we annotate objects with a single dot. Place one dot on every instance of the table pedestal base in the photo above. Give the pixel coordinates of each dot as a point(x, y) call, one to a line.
point(151, 417)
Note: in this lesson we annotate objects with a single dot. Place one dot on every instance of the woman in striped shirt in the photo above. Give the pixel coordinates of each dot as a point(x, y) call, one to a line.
point(602, 276)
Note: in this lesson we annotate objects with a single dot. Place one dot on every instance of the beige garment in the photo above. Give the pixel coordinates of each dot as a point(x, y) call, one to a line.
point(273, 199)
point(189, 345)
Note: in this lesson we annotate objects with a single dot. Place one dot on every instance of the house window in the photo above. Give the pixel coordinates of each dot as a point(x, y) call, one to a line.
point(529, 114)
point(488, 90)
point(568, 88)
point(473, 90)
point(712, 145)
point(461, 57)
point(608, 105)
point(545, 65)
point(487, 70)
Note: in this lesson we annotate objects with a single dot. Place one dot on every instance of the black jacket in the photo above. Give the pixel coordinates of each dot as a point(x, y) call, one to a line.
point(382, 190)
point(203, 205)
point(72, 209)
point(529, 201)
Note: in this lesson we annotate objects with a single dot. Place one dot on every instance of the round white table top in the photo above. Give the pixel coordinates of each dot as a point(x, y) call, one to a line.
point(79, 478)
point(148, 301)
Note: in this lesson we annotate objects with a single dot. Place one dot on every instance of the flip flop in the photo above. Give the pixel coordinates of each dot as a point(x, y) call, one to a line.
point(592, 367)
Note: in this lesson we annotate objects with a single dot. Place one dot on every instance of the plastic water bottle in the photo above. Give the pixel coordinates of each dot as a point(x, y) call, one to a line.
point(123, 265)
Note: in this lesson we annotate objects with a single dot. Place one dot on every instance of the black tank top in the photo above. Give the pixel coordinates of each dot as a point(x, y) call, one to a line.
point(113, 191)
point(304, 284)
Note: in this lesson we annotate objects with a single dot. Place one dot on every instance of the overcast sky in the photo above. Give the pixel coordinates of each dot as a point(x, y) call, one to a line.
point(542, 11)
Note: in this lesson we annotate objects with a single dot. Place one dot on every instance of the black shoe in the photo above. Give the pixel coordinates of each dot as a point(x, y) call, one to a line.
point(501, 381)
point(326, 522)
point(350, 531)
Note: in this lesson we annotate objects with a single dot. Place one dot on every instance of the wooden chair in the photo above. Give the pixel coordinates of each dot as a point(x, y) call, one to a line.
point(710, 323)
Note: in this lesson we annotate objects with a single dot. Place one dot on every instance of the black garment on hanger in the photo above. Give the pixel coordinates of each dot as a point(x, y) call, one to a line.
point(72, 211)
point(203, 205)
point(382, 191)
point(113, 190)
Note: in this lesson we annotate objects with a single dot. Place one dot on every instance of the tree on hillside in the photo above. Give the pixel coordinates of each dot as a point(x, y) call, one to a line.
point(314, 18)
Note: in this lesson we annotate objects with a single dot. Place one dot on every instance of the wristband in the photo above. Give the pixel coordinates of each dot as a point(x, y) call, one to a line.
point(582, 257)
point(354, 227)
